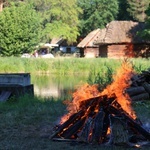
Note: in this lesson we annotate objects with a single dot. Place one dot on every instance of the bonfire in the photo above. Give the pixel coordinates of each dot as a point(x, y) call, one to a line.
point(106, 117)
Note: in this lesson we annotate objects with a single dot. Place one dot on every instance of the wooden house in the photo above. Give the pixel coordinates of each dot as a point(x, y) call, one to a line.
point(86, 46)
point(119, 39)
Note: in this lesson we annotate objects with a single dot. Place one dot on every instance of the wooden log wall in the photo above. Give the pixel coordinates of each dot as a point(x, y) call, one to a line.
point(116, 51)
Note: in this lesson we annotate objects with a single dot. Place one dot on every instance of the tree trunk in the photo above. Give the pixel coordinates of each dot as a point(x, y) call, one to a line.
point(1, 5)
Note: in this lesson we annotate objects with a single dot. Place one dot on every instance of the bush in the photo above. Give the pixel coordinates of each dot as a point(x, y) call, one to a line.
point(20, 28)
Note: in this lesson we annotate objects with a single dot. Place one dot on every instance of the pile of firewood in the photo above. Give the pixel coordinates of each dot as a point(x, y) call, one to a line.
point(91, 126)
point(102, 119)
point(140, 86)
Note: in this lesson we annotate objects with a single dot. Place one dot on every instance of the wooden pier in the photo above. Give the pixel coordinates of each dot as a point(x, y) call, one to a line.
point(15, 84)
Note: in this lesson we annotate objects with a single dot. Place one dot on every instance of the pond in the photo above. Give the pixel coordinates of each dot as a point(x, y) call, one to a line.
point(56, 86)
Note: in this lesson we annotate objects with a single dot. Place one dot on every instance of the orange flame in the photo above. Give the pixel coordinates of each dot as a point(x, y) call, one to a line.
point(122, 80)
point(79, 96)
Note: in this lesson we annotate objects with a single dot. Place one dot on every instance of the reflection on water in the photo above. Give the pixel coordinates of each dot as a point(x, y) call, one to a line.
point(56, 86)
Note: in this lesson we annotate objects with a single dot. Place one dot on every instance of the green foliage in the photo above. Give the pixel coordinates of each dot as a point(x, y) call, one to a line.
point(101, 76)
point(97, 13)
point(63, 16)
point(60, 18)
point(137, 9)
point(20, 28)
point(123, 13)
point(145, 34)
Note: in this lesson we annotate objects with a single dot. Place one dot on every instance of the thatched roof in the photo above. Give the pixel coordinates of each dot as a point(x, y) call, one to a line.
point(88, 40)
point(120, 32)
point(56, 41)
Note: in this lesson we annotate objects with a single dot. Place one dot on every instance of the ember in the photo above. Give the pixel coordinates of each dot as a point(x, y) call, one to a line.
point(105, 117)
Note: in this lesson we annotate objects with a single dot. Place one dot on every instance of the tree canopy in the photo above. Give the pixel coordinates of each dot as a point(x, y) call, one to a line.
point(63, 20)
point(146, 32)
point(96, 14)
point(20, 29)
point(68, 19)
point(137, 9)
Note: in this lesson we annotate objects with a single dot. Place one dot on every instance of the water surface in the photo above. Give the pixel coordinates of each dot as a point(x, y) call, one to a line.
point(56, 86)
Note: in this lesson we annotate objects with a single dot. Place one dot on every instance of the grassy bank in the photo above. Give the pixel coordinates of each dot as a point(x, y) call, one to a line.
point(63, 66)
point(27, 122)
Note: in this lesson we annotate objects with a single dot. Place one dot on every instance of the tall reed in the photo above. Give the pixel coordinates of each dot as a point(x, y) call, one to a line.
point(66, 66)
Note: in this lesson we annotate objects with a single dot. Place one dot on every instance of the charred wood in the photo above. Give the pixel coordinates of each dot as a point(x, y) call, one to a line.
point(119, 132)
point(135, 90)
point(67, 123)
point(85, 135)
point(106, 126)
point(74, 129)
point(139, 97)
point(131, 122)
point(146, 86)
point(97, 131)
point(89, 109)
point(139, 79)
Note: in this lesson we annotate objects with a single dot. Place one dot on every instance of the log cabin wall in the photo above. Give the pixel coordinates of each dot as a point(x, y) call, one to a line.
point(124, 50)
point(117, 51)
point(91, 52)
point(112, 51)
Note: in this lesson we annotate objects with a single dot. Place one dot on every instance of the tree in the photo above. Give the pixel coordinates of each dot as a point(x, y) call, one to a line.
point(123, 13)
point(63, 20)
point(60, 18)
point(96, 14)
point(20, 29)
point(146, 32)
point(137, 9)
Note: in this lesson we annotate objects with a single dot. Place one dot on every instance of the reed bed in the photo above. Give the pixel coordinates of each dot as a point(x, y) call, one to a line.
point(63, 66)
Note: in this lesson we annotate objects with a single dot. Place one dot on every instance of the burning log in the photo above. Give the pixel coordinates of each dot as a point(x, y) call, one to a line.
point(67, 123)
point(97, 131)
point(73, 129)
point(84, 135)
point(136, 126)
point(89, 110)
point(92, 128)
point(119, 132)
point(107, 118)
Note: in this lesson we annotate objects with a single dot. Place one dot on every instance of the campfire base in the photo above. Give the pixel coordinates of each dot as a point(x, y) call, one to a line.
point(101, 120)
point(93, 128)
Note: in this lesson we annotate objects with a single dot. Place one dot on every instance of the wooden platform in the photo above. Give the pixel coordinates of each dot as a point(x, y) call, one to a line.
point(15, 84)
point(4, 95)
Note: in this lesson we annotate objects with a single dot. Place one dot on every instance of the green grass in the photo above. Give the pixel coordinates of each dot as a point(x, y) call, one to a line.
point(65, 66)
point(27, 122)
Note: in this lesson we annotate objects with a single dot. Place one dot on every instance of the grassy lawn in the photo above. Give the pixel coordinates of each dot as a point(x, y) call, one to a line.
point(27, 123)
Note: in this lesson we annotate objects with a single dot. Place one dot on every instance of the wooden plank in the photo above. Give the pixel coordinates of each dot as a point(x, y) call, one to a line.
point(4, 96)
